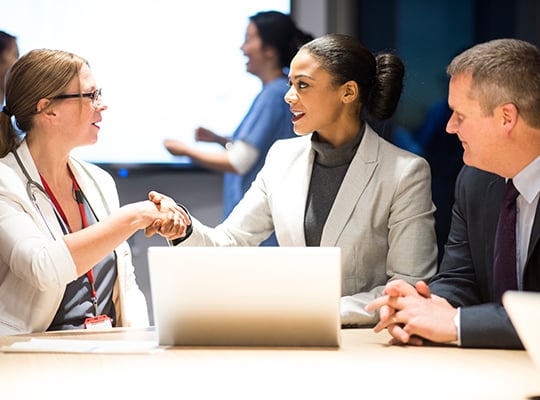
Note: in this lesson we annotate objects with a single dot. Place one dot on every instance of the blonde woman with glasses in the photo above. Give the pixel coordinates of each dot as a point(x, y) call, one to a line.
point(64, 259)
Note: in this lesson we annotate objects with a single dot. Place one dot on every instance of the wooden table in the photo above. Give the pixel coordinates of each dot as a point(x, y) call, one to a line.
point(364, 367)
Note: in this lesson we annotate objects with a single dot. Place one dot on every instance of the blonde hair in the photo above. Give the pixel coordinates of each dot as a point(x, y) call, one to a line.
point(39, 74)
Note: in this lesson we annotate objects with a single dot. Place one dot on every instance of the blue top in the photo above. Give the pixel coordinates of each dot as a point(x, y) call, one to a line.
point(268, 119)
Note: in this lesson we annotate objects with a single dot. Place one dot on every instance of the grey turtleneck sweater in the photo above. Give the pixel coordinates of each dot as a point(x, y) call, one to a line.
point(329, 169)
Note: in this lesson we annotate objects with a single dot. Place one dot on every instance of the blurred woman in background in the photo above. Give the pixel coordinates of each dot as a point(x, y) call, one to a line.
point(272, 39)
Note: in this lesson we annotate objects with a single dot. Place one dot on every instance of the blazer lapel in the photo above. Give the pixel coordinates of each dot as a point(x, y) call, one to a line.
point(296, 185)
point(492, 207)
point(354, 183)
point(535, 233)
point(531, 273)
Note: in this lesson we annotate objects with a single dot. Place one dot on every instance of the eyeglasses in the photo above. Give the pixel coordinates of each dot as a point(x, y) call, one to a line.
point(95, 96)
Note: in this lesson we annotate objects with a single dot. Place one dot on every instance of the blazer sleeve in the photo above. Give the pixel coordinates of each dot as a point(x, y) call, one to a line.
point(407, 231)
point(488, 325)
point(249, 223)
point(456, 279)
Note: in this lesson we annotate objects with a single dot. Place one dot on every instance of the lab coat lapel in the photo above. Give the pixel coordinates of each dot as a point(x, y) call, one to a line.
point(90, 189)
point(45, 206)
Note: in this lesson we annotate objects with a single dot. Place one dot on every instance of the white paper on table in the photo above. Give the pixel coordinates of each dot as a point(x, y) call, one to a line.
point(37, 345)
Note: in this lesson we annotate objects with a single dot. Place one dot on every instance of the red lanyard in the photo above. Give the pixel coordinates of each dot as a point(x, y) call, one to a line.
point(78, 197)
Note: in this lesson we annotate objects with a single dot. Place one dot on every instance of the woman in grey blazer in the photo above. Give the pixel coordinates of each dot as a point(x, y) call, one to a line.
point(339, 183)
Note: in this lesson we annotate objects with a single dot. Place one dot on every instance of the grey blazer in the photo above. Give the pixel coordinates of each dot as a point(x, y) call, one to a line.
point(382, 217)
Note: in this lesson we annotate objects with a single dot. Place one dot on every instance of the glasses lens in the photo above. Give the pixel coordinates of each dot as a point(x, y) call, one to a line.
point(96, 96)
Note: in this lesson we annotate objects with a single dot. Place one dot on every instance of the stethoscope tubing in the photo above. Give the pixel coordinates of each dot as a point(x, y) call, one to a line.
point(32, 197)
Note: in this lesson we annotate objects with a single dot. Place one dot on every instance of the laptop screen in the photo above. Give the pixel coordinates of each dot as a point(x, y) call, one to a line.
point(246, 296)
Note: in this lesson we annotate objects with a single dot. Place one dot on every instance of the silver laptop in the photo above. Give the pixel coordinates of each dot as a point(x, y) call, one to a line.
point(522, 307)
point(246, 296)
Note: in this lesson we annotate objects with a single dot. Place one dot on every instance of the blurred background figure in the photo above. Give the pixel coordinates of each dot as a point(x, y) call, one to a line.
point(272, 39)
point(9, 53)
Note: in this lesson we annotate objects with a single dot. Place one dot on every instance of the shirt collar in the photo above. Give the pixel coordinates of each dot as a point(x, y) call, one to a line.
point(527, 181)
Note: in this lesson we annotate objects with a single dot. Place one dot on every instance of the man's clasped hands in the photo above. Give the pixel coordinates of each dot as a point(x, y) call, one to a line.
point(412, 314)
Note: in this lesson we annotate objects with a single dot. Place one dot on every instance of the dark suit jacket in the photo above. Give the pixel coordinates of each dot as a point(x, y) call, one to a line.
point(466, 270)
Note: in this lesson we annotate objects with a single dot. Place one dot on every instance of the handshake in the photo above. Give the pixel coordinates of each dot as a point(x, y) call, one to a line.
point(171, 221)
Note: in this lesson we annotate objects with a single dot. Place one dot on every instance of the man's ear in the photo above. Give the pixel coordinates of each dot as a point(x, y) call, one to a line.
point(44, 106)
point(509, 114)
point(350, 91)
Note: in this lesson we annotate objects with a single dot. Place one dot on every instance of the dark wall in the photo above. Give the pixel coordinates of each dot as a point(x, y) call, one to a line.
point(426, 34)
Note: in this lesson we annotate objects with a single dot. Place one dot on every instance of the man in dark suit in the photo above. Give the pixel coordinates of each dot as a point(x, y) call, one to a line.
point(494, 93)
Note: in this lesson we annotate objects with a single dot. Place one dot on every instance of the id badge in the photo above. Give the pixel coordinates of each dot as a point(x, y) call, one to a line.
point(99, 322)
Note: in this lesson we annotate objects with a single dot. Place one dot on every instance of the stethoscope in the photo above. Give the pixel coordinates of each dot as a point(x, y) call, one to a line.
point(33, 187)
